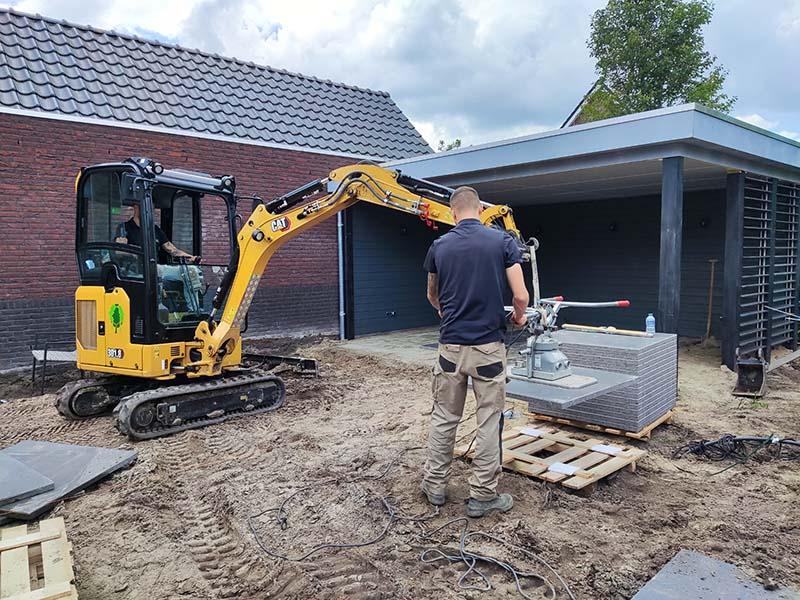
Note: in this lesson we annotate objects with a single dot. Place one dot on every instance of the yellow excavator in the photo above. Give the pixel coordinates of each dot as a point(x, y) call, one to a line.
point(167, 348)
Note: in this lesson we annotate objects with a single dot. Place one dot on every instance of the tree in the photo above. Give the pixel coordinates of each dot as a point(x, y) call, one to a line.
point(443, 147)
point(651, 54)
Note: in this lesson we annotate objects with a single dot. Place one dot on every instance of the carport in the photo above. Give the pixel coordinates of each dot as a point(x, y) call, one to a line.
point(635, 207)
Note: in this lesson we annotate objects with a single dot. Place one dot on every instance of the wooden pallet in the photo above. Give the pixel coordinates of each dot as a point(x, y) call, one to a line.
point(36, 564)
point(547, 453)
point(643, 434)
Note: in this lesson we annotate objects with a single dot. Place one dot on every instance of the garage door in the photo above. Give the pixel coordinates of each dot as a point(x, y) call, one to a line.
point(388, 281)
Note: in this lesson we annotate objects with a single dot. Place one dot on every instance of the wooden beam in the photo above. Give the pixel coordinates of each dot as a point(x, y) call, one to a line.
point(669, 272)
point(732, 267)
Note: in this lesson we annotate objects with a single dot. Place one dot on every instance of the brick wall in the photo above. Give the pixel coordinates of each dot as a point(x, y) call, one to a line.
point(39, 159)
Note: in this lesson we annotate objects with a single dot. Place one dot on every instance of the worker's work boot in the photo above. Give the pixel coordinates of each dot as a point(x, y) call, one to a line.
point(481, 508)
point(435, 499)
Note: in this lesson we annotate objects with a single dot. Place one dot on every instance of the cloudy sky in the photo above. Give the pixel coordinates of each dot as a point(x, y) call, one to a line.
point(479, 70)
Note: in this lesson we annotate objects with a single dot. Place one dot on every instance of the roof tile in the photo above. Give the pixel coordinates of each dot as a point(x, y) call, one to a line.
point(56, 66)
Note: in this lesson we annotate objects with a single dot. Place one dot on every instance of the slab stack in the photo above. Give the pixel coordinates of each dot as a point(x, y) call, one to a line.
point(652, 360)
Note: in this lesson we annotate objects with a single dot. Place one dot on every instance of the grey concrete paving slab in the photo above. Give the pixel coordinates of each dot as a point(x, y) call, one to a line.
point(561, 397)
point(693, 575)
point(18, 481)
point(72, 468)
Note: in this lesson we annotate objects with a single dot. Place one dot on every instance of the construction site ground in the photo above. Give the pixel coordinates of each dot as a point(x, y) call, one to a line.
point(175, 525)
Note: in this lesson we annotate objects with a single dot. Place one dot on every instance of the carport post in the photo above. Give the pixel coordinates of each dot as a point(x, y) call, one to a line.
point(732, 268)
point(669, 272)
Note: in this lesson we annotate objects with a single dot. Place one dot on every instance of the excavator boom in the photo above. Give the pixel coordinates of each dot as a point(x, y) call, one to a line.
point(273, 224)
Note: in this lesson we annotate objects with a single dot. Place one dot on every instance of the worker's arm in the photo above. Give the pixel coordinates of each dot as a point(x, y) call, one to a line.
point(516, 282)
point(173, 250)
point(433, 292)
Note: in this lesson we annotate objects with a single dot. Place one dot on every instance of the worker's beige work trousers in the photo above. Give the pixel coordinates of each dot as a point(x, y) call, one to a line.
point(486, 365)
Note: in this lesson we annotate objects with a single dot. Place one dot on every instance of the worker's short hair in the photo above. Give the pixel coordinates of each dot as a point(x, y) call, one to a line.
point(465, 197)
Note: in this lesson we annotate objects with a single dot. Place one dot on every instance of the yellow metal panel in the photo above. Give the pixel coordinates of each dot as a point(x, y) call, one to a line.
point(86, 323)
point(120, 353)
point(89, 357)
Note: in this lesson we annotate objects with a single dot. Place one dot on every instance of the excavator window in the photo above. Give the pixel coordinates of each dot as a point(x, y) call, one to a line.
point(102, 210)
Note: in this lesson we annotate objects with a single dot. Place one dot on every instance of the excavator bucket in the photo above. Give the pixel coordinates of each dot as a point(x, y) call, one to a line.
point(751, 377)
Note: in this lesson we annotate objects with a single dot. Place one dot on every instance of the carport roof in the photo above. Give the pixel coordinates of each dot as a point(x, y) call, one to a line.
point(614, 157)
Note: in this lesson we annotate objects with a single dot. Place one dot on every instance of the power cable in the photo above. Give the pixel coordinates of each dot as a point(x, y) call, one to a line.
point(429, 554)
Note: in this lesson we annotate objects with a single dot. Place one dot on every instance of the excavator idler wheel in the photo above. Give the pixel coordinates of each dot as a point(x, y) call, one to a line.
point(84, 399)
point(143, 416)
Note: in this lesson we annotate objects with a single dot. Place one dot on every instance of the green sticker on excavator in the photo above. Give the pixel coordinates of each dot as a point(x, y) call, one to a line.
point(116, 316)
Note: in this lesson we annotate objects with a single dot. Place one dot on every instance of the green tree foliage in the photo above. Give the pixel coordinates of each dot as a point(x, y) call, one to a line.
point(651, 54)
point(444, 147)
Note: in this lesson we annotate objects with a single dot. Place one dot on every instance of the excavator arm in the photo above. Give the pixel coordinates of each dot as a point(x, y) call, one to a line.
point(273, 224)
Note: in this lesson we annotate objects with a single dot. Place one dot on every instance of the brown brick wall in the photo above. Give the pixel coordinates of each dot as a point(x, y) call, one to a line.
point(39, 159)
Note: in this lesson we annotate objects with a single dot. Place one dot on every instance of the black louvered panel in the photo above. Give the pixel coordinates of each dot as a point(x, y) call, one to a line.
point(784, 284)
point(769, 264)
point(755, 265)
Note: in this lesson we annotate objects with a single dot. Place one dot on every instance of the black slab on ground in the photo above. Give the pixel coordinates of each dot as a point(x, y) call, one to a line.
point(72, 468)
point(693, 575)
point(18, 481)
point(607, 381)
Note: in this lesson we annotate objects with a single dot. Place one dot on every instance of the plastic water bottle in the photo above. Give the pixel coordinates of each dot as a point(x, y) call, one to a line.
point(650, 323)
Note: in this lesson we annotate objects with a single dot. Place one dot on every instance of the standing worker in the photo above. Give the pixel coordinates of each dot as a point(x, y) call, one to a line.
point(468, 269)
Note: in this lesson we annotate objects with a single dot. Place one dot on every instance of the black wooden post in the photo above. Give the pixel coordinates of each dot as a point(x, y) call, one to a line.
point(732, 268)
point(349, 276)
point(669, 272)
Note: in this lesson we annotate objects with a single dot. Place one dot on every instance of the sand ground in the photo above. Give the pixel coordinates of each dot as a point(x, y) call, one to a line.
point(175, 525)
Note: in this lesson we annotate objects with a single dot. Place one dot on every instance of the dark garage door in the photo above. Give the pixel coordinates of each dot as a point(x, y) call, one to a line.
point(388, 249)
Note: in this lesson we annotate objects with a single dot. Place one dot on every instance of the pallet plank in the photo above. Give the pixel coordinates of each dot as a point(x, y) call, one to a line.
point(533, 456)
point(610, 466)
point(56, 558)
point(27, 540)
point(583, 463)
point(55, 591)
point(14, 568)
point(642, 434)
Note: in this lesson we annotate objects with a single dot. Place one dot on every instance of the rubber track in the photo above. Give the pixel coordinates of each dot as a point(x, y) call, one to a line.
point(63, 400)
point(125, 408)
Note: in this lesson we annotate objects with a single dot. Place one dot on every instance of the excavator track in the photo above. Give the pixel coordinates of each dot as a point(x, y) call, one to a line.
point(87, 398)
point(166, 410)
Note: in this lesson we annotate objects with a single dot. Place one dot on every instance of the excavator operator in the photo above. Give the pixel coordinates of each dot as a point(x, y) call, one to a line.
point(468, 269)
point(130, 232)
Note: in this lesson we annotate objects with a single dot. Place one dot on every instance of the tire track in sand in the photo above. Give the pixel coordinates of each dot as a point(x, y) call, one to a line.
point(231, 566)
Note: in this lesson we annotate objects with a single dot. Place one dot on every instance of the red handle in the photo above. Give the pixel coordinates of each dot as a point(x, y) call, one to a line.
point(623, 303)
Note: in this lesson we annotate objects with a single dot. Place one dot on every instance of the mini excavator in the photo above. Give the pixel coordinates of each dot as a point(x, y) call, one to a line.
point(166, 347)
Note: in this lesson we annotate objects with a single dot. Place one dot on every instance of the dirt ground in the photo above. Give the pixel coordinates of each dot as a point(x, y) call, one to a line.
point(175, 525)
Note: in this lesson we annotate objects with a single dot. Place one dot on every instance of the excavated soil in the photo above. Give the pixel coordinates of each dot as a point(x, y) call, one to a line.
point(175, 525)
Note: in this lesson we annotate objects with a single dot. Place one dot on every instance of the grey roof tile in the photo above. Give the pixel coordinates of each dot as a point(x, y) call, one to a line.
point(56, 66)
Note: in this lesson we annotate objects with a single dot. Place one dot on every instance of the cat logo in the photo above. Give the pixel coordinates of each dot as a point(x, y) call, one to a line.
point(281, 224)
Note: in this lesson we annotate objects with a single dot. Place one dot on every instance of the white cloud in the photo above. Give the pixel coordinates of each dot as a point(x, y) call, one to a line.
point(759, 121)
point(478, 70)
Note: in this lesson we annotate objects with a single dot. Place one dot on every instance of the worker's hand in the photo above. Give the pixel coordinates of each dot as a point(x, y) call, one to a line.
point(441, 314)
point(519, 321)
point(121, 240)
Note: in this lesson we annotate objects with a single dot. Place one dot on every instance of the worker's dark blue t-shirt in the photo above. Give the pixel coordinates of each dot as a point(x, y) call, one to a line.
point(470, 262)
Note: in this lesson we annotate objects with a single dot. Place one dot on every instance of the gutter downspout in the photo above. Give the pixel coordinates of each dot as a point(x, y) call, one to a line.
point(340, 244)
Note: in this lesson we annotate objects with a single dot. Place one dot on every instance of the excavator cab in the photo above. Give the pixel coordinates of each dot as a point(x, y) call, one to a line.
point(133, 293)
